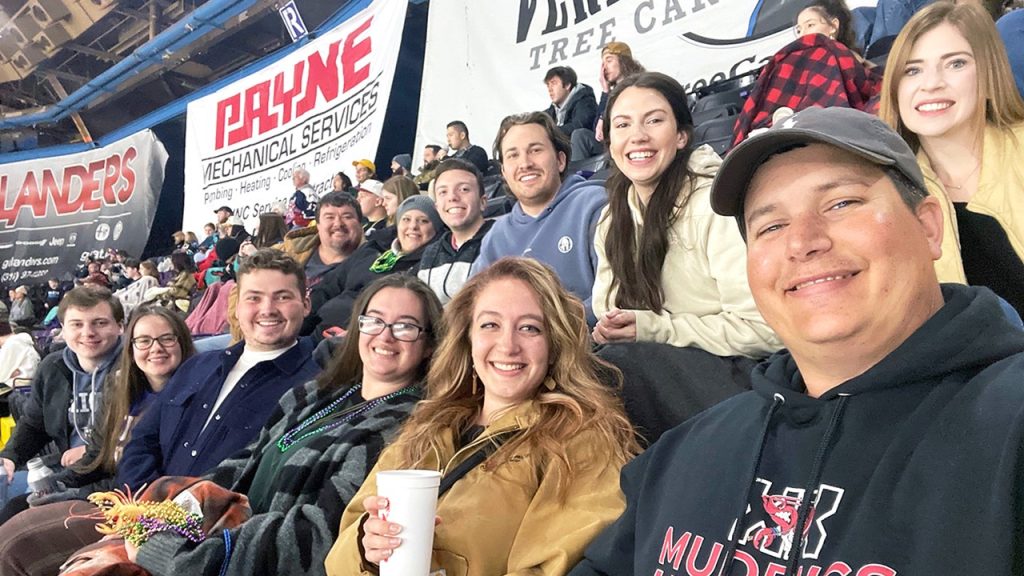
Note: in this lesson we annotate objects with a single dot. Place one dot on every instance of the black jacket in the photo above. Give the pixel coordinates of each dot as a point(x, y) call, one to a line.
point(580, 110)
point(331, 301)
point(45, 417)
point(446, 269)
point(913, 467)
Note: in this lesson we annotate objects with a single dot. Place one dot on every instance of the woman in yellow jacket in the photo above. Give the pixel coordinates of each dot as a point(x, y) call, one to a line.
point(515, 364)
point(949, 91)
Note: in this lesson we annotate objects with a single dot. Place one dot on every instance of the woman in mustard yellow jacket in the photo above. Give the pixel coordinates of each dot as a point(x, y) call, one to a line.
point(949, 91)
point(516, 364)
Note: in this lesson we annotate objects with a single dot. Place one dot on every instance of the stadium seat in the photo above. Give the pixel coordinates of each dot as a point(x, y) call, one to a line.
point(718, 133)
point(731, 100)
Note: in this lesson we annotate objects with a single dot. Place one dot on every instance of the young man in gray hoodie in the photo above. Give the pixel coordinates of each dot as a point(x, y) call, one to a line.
point(68, 386)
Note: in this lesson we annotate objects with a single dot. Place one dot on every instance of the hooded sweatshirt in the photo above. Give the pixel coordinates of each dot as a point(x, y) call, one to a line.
point(578, 111)
point(87, 393)
point(445, 268)
point(561, 236)
point(914, 467)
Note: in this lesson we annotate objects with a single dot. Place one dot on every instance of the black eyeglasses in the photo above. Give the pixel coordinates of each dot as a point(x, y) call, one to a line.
point(404, 331)
point(165, 340)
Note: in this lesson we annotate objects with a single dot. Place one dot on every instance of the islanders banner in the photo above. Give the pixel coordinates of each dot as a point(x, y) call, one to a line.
point(319, 108)
point(58, 211)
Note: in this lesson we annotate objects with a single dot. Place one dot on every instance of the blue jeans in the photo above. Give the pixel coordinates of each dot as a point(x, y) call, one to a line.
point(17, 487)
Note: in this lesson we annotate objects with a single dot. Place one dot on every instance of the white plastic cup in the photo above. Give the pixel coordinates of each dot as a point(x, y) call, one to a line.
point(412, 503)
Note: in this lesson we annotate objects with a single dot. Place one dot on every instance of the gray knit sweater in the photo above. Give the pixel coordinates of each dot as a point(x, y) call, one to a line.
point(313, 488)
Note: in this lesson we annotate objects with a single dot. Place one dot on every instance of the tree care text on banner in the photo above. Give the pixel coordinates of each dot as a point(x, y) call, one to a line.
point(58, 211)
point(486, 60)
point(319, 108)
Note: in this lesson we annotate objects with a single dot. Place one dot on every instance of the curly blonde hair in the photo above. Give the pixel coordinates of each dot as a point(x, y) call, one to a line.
point(578, 402)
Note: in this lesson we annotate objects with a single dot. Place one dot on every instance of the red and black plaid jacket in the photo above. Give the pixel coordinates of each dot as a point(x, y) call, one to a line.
point(812, 70)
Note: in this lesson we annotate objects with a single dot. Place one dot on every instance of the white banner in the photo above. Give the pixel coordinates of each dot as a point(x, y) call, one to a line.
point(485, 60)
point(321, 108)
point(57, 211)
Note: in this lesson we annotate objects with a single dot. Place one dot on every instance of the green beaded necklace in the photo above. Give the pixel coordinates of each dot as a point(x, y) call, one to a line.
point(292, 437)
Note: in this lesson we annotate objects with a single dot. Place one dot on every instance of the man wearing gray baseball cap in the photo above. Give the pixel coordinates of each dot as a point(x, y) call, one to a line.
point(887, 439)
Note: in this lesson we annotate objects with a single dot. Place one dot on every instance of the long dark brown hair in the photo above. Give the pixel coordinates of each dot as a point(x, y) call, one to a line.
point(642, 262)
point(346, 366)
point(129, 383)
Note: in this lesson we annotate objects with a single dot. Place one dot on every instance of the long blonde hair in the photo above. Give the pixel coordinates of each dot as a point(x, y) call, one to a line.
point(999, 103)
point(578, 402)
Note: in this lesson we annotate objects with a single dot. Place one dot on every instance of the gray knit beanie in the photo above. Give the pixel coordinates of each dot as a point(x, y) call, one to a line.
point(423, 204)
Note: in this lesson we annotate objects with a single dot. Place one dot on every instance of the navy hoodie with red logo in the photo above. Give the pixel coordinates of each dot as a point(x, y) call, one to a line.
point(915, 467)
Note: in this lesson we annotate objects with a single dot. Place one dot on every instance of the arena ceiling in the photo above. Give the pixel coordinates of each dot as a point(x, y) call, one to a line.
point(52, 48)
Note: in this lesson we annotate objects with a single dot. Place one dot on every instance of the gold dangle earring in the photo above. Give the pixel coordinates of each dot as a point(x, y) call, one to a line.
point(473, 389)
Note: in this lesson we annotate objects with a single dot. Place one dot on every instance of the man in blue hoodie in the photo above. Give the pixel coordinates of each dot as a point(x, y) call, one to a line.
point(67, 389)
point(887, 439)
point(555, 216)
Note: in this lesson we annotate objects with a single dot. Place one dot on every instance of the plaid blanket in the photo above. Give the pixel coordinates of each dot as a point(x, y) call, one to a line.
point(221, 509)
point(812, 70)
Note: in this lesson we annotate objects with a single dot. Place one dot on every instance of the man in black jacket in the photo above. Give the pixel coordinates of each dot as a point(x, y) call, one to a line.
point(887, 438)
point(573, 105)
point(68, 386)
point(458, 188)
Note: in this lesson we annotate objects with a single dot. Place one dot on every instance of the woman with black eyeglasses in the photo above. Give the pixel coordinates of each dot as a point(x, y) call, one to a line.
point(317, 448)
point(38, 540)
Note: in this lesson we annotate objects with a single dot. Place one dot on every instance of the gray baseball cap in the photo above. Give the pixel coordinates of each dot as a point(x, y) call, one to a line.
point(845, 128)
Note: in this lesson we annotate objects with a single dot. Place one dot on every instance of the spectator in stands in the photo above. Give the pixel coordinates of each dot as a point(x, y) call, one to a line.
point(431, 159)
point(177, 292)
point(302, 205)
point(393, 250)
point(818, 69)
point(129, 274)
point(211, 237)
point(573, 105)
point(459, 146)
point(335, 236)
point(1011, 29)
point(218, 401)
point(190, 238)
point(271, 231)
point(135, 294)
point(365, 170)
point(180, 242)
point(554, 217)
point(236, 229)
point(54, 292)
point(298, 477)
point(371, 203)
point(829, 18)
point(223, 213)
point(21, 309)
point(514, 381)
point(341, 183)
point(143, 369)
point(617, 63)
point(395, 190)
point(951, 95)
point(62, 407)
point(895, 392)
point(401, 165)
point(216, 264)
point(445, 265)
point(670, 294)
point(18, 355)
